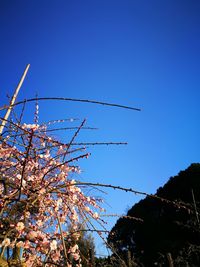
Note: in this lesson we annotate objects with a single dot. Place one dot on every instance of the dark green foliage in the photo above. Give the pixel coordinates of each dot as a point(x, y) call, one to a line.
point(169, 234)
point(87, 249)
point(113, 261)
point(103, 262)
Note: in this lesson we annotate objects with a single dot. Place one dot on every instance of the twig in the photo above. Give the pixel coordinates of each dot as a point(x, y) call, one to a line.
point(63, 241)
point(65, 162)
point(195, 208)
point(74, 136)
point(57, 129)
point(68, 128)
point(73, 100)
point(73, 144)
point(178, 205)
point(24, 164)
point(123, 216)
point(170, 260)
point(99, 143)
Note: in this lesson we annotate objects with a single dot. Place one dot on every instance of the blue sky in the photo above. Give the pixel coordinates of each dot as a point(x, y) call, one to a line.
point(139, 53)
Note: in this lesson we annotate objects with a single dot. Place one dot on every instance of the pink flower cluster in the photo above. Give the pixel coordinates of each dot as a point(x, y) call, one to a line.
point(40, 206)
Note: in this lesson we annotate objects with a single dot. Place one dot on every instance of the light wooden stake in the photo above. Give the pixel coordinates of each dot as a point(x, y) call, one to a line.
point(3, 123)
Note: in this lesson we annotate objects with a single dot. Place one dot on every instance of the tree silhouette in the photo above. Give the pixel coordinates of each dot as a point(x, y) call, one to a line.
point(170, 231)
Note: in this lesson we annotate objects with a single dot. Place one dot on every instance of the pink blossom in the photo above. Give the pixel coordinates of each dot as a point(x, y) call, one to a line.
point(20, 244)
point(31, 235)
point(20, 226)
point(76, 256)
point(6, 242)
point(74, 248)
point(87, 208)
point(47, 193)
point(53, 245)
point(95, 215)
point(56, 256)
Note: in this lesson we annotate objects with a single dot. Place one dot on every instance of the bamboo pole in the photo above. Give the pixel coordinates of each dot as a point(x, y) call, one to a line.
point(3, 123)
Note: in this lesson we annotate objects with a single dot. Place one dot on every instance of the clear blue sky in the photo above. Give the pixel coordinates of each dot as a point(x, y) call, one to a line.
point(138, 53)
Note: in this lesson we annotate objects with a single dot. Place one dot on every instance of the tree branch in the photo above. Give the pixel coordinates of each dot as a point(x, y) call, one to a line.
point(73, 100)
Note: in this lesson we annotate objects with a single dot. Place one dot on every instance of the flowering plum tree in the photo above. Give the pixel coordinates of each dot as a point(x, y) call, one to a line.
point(39, 201)
point(43, 209)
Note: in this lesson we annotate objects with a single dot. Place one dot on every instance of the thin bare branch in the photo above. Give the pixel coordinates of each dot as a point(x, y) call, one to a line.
point(63, 241)
point(99, 143)
point(24, 163)
point(74, 136)
point(195, 207)
point(68, 128)
point(73, 100)
point(178, 205)
point(65, 144)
